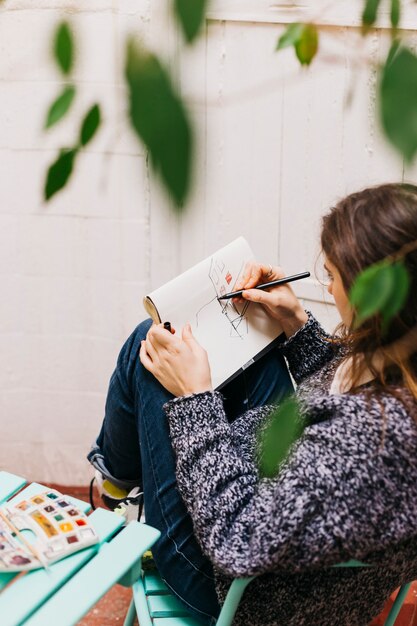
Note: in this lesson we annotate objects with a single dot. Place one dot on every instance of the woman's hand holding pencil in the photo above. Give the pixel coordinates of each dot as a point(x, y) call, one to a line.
point(279, 301)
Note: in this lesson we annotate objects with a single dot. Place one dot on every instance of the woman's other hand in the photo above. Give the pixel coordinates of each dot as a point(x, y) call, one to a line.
point(179, 363)
point(280, 302)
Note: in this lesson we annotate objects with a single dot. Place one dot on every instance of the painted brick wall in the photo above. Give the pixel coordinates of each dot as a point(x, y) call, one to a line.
point(72, 272)
point(276, 146)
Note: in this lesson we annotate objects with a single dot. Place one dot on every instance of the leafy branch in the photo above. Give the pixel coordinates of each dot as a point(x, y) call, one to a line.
point(61, 169)
point(156, 111)
point(160, 120)
point(397, 87)
point(59, 172)
point(396, 95)
point(383, 288)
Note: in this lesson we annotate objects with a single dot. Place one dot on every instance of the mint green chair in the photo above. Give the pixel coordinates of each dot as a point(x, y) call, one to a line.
point(156, 606)
point(66, 592)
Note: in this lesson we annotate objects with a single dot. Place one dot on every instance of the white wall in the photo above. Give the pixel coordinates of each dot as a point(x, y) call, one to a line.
point(276, 146)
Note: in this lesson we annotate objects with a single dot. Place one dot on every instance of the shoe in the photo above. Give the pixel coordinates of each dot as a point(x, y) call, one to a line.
point(131, 507)
point(128, 504)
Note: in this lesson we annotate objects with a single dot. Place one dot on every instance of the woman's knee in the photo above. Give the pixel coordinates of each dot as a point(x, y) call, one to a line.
point(131, 346)
point(141, 329)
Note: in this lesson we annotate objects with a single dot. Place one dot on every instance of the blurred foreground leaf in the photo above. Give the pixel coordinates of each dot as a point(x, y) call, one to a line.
point(290, 37)
point(284, 428)
point(64, 48)
point(190, 14)
point(370, 14)
point(90, 125)
point(159, 118)
point(380, 289)
point(398, 100)
point(59, 173)
point(395, 13)
point(304, 38)
point(402, 282)
point(307, 45)
point(60, 106)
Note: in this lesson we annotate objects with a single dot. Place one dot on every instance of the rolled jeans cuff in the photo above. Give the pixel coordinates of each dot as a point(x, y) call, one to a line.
point(96, 458)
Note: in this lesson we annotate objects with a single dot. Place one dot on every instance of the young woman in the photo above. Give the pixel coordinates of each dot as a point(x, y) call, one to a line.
point(348, 489)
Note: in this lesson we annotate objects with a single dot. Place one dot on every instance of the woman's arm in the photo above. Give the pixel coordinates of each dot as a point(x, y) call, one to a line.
point(280, 302)
point(309, 349)
point(326, 506)
point(244, 430)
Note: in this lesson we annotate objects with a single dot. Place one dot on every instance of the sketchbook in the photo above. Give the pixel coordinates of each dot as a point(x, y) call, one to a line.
point(40, 530)
point(234, 335)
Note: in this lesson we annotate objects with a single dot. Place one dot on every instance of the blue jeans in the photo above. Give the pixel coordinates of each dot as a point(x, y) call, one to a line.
point(134, 448)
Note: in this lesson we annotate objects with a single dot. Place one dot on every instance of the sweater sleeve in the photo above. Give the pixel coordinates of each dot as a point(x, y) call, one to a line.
point(324, 508)
point(244, 430)
point(309, 349)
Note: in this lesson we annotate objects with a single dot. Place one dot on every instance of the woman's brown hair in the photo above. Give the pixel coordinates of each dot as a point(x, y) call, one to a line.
point(362, 229)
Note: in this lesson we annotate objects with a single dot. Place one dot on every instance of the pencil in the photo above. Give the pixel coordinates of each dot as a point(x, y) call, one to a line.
point(17, 532)
point(273, 283)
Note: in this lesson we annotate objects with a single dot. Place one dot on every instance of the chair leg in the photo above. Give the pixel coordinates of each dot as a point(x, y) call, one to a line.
point(130, 615)
point(396, 607)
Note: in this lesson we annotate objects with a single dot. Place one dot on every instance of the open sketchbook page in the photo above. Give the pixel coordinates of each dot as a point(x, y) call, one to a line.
point(232, 334)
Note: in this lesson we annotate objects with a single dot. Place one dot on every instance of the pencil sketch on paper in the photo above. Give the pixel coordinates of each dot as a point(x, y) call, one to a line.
point(221, 279)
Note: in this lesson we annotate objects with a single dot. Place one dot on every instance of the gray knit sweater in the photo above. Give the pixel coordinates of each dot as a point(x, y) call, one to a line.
point(347, 491)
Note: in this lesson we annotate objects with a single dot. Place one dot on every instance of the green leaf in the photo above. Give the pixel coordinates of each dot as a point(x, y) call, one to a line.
point(59, 173)
point(370, 14)
point(381, 289)
point(283, 429)
point(307, 45)
point(64, 48)
point(190, 14)
point(372, 290)
point(60, 106)
point(399, 294)
point(395, 13)
point(291, 36)
point(398, 100)
point(304, 38)
point(395, 48)
point(90, 125)
point(159, 118)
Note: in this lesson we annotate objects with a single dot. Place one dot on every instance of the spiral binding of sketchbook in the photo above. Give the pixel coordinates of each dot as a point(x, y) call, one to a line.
point(151, 310)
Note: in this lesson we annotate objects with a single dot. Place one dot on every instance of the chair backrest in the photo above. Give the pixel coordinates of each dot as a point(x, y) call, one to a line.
point(232, 600)
point(239, 585)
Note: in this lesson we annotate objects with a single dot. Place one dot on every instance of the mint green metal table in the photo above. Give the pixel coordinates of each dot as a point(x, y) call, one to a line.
point(71, 587)
point(66, 592)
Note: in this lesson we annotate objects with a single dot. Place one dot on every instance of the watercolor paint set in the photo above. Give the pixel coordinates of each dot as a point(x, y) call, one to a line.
point(40, 530)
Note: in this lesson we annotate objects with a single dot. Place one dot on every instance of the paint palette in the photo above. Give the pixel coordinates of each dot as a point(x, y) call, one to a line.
point(41, 530)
